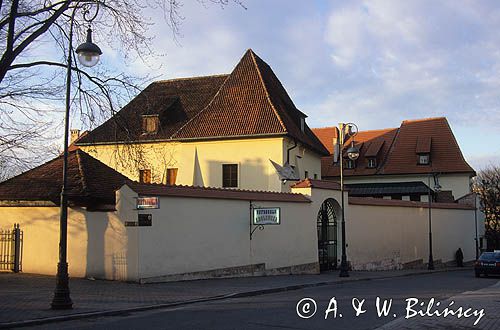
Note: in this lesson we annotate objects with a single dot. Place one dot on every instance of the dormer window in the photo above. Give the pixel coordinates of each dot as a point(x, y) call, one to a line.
point(424, 159)
point(150, 124)
point(350, 164)
point(372, 162)
point(302, 124)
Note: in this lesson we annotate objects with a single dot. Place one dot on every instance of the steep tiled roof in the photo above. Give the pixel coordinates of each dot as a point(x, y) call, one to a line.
point(370, 142)
point(90, 182)
point(175, 101)
point(399, 149)
point(445, 153)
point(249, 102)
point(218, 193)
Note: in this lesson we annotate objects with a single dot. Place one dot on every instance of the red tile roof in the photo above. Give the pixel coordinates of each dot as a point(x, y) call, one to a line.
point(394, 202)
point(322, 184)
point(90, 182)
point(249, 102)
point(399, 148)
point(218, 193)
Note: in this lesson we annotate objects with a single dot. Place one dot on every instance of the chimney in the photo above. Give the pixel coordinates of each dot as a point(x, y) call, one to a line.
point(75, 134)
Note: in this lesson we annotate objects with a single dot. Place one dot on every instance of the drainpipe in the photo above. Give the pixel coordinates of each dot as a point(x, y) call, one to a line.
point(288, 151)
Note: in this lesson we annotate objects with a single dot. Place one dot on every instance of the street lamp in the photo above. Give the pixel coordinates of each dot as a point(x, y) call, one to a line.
point(437, 188)
point(353, 154)
point(88, 55)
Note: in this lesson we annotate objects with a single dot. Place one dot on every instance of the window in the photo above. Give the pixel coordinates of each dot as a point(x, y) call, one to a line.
point(302, 123)
point(229, 175)
point(350, 163)
point(145, 176)
point(372, 162)
point(306, 174)
point(150, 124)
point(171, 176)
point(315, 176)
point(423, 159)
point(397, 197)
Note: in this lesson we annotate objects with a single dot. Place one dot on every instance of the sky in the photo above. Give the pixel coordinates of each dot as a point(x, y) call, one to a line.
point(374, 63)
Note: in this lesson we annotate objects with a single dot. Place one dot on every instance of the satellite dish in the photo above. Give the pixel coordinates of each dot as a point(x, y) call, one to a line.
point(285, 172)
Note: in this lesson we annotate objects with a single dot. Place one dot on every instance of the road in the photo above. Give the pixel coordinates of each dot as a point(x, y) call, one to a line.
point(278, 311)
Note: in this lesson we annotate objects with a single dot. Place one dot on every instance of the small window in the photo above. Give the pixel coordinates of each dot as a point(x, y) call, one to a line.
point(229, 175)
point(302, 124)
point(306, 174)
point(350, 164)
point(145, 176)
point(372, 162)
point(315, 176)
point(171, 176)
point(397, 197)
point(423, 159)
point(150, 124)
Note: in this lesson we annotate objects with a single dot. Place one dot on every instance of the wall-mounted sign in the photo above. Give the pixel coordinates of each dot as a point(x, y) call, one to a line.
point(145, 220)
point(266, 216)
point(148, 203)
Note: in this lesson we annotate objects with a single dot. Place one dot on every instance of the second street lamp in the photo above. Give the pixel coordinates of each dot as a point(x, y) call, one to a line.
point(88, 55)
point(353, 154)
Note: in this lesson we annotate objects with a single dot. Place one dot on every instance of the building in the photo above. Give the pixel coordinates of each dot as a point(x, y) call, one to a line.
point(401, 163)
point(238, 130)
point(220, 176)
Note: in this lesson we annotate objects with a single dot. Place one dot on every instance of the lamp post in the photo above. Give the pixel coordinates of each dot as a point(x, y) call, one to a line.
point(437, 188)
point(88, 55)
point(353, 154)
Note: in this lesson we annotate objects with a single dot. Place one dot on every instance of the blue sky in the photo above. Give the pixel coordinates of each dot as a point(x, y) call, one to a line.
point(374, 63)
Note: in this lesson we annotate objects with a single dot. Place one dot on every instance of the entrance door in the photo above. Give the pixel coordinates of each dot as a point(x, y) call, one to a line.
point(327, 235)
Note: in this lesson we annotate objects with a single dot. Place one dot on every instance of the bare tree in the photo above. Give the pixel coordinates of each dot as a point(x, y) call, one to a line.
point(487, 186)
point(34, 42)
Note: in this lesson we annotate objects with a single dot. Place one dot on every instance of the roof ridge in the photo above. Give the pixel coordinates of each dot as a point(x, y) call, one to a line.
point(268, 97)
point(389, 152)
point(204, 108)
point(191, 78)
point(421, 119)
point(82, 172)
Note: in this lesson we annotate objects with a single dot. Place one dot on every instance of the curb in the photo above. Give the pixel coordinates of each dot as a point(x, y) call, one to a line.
point(253, 293)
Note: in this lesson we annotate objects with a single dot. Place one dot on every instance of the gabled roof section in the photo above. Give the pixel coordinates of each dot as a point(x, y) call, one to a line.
point(445, 154)
point(90, 182)
point(249, 102)
point(398, 149)
point(176, 102)
point(373, 142)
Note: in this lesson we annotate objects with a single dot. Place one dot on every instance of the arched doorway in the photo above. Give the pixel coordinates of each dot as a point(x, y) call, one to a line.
point(327, 234)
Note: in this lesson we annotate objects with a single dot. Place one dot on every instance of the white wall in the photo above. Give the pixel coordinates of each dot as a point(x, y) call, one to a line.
point(381, 235)
point(97, 241)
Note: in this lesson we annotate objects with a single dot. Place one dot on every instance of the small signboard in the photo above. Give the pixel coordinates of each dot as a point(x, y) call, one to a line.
point(266, 216)
point(148, 203)
point(145, 220)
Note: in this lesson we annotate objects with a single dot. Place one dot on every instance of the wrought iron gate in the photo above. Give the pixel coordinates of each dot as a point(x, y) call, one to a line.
point(11, 249)
point(327, 236)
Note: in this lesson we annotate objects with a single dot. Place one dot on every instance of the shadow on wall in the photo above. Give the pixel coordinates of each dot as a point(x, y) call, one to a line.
point(197, 174)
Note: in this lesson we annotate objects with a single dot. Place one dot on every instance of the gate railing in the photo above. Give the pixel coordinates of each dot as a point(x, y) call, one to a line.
point(11, 249)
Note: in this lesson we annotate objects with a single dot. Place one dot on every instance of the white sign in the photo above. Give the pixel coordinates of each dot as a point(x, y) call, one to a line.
point(266, 216)
point(148, 203)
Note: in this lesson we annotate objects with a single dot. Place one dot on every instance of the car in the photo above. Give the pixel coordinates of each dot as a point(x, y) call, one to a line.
point(488, 263)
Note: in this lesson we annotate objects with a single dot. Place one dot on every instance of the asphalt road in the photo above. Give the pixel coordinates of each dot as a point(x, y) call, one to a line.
point(279, 311)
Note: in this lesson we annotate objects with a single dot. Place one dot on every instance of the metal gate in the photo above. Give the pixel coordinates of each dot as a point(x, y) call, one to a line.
point(327, 236)
point(11, 249)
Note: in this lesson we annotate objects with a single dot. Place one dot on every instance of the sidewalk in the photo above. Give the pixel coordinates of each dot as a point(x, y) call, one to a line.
point(26, 298)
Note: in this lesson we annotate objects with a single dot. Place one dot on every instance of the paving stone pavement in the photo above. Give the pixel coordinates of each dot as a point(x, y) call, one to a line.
point(28, 296)
point(487, 298)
